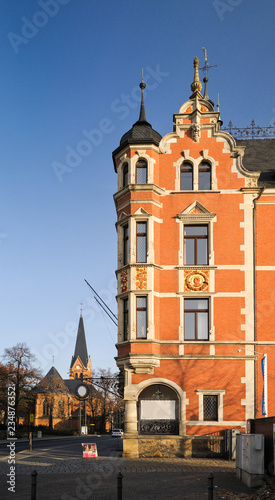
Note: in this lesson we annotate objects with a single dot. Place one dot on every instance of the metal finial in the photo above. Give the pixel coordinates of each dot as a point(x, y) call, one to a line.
point(53, 360)
point(218, 103)
point(142, 115)
point(81, 308)
point(206, 68)
point(196, 85)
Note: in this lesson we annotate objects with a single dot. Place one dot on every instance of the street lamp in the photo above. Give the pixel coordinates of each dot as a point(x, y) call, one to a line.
point(264, 373)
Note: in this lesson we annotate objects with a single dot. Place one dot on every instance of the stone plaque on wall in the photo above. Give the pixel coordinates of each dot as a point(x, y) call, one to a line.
point(196, 280)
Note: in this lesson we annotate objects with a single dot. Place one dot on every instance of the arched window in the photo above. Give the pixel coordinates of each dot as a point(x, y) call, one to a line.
point(45, 408)
point(158, 410)
point(204, 176)
point(61, 408)
point(141, 172)
point(125, 175)
point(186, 177)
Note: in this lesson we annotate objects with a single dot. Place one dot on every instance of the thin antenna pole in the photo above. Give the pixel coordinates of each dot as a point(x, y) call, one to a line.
point(101, 300)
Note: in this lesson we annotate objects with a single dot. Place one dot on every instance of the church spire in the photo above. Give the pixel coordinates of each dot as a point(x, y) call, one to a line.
point(80, 351)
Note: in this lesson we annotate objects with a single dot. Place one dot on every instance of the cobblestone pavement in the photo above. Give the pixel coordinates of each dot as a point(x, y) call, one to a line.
point(96, 479)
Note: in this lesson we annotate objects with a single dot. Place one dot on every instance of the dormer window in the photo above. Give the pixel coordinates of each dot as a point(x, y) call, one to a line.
point(204, 177)
point(141, 172)
point(125, 175)
point(186, 177)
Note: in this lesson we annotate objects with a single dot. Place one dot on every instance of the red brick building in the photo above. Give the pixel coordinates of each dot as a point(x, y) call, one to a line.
point(196, 258)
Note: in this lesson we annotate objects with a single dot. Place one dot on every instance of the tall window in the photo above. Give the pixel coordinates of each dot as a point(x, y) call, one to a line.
point(61, 408)
point(196, 244)
point(45, 408)
point(141, 317)
point(125, 318)
point(125, 244)
point(204, 176)
point(186, 177)
point(210, 407)
point(141, 172)
point(196, 322)
point(125, 175)
point(141, 241)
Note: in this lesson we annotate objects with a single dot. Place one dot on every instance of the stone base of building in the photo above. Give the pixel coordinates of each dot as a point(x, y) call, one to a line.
point(173, 446)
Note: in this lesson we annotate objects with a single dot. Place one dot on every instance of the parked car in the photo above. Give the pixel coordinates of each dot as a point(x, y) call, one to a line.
point(117, 433)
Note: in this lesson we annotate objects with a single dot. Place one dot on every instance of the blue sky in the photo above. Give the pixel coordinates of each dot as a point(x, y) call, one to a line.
point(69, 69)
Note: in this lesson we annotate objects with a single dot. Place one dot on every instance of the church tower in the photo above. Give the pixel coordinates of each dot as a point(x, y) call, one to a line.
point(81, 367)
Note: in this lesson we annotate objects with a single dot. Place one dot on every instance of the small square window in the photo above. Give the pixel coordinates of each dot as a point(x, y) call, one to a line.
point(210, 407)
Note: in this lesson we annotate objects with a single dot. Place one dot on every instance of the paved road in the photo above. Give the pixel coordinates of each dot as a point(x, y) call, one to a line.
point(64, 475)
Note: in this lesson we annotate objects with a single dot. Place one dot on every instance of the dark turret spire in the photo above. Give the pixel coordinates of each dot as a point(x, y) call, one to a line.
point(80, 345)
point(142, 114)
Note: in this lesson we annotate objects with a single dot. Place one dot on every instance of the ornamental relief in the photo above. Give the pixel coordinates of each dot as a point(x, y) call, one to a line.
point(141, 278)
point(124, 280)
point(250, 182)
point(196, 281)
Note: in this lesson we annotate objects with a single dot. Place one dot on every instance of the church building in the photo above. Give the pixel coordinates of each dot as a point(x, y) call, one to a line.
point(56, 404)
point(196, 261)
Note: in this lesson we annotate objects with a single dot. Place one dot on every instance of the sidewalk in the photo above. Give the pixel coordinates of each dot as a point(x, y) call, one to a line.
point(143, 479)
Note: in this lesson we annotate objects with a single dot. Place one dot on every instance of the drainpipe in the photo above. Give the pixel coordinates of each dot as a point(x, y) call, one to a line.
point(254, 293)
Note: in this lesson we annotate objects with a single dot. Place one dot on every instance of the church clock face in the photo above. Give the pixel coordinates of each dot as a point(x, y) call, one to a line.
point(78, 367)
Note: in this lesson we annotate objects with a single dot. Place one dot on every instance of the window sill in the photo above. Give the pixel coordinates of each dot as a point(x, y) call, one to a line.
point(190, 191)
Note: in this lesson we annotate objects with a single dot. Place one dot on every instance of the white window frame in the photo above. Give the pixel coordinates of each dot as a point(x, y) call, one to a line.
point(220, 394)
point(199, 219)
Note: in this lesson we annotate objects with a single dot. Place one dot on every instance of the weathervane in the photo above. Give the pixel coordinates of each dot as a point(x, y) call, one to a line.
point(206, 68)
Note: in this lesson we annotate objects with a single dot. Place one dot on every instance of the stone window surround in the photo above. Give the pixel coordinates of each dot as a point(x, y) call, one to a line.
point(140, 216)
point(132, 316)
point(196, 219)
point(140, 155)
point(132, 393)
point(220, 394)
point(195, 164)
point(210, 317)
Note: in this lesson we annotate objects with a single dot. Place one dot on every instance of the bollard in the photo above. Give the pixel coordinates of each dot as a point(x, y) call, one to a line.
point(119, 486)
point(30, 441)
point(210, 478)
point(33, 492)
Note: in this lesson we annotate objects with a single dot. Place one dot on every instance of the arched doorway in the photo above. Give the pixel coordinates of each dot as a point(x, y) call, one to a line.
point(158, 410)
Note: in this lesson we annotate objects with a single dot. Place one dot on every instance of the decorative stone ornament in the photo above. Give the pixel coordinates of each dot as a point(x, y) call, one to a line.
point(196, 132)
point(196, 281)
point(196, 85)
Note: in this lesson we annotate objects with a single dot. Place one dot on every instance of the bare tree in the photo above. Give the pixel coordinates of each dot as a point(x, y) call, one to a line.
point(19, 363)
point(105, 400)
